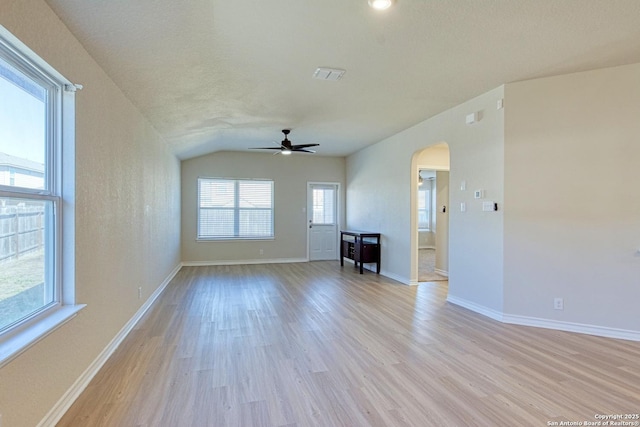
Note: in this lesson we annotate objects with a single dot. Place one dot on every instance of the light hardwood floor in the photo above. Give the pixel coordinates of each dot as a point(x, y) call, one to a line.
point(315, 344)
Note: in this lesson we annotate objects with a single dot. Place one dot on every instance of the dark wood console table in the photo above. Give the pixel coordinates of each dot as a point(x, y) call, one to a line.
point(360, 246)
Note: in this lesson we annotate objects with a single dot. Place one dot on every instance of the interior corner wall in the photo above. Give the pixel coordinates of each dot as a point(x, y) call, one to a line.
point(379, 187)
point(290, 175)
point(572, 226)
point(127, 220)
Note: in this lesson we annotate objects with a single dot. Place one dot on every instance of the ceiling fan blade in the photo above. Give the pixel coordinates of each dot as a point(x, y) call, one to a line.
point(286, 147)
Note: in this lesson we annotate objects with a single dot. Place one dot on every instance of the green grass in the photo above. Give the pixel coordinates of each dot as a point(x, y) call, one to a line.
point(18, 275)
point(21, 287)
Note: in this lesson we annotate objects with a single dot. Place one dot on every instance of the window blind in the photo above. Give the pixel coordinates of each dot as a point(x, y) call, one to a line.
point(235, 208)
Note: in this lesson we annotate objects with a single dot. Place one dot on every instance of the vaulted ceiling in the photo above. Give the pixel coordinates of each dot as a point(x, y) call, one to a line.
point(230, 74)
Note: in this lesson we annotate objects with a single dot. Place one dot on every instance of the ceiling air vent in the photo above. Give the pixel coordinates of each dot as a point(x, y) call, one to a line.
point(332, 74)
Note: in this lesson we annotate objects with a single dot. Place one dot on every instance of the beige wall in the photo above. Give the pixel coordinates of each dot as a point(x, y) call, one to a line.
point(290, 175)
point(382, 177)
point(127, 227)
point(572, 213)
point(426, 239)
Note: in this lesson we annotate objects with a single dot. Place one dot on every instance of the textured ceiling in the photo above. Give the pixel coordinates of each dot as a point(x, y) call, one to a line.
point(230, 74)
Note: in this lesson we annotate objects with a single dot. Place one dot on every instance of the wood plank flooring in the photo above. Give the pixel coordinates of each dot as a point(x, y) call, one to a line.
point(314, 344)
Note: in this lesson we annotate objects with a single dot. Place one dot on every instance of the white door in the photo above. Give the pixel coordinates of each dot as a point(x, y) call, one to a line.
point(322, 218)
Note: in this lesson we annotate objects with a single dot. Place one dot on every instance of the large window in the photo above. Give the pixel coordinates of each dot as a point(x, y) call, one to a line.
point(235, 209)
point(33, 101)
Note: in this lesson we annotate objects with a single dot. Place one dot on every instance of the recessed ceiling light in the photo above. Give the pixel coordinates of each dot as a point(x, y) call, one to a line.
point(380, 4)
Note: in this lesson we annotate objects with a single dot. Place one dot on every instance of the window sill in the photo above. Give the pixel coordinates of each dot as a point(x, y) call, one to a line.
point(234, 239)
point(20, 341)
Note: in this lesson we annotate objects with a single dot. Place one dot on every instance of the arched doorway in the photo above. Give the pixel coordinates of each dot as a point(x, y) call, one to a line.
point(430, 214)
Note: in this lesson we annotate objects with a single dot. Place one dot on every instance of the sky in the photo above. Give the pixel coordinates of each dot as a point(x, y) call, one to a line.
point(22, 131)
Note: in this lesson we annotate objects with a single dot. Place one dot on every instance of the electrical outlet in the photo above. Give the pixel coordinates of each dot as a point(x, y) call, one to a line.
point(558, 303)
point(139, 297)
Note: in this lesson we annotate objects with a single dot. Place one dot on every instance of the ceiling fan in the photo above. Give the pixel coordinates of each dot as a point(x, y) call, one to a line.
point(287, 148)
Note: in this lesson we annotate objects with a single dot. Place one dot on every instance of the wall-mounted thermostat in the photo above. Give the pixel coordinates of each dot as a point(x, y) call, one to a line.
point(478, 194)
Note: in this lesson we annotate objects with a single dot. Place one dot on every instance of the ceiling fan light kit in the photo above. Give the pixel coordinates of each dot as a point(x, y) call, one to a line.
point(286, 148)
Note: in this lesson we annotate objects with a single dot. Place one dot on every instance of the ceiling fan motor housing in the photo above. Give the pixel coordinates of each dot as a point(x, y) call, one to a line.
point(286, 144)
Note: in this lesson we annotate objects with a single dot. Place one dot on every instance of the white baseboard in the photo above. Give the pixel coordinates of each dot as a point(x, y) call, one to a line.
point(243, 262)
point(485, 311)
point(441, 272)
point(397, 278)
point(392, 276)
point(580, 328)
point(65, 402)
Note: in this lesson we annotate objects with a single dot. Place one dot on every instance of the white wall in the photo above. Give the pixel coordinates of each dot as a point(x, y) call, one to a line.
point(442, 222)
point(127, 219)
point(572, 218)
point(382, 177)
point(290, 175)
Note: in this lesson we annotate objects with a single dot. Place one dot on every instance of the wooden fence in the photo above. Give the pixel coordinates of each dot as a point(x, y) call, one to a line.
point(21, 231)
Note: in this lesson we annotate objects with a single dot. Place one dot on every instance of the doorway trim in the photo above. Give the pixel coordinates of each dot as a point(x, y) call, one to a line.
point(338, 214)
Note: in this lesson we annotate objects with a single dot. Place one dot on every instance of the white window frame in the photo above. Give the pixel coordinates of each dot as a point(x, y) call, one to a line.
point(204, 238)
point(428, 205)
point(60, 190)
